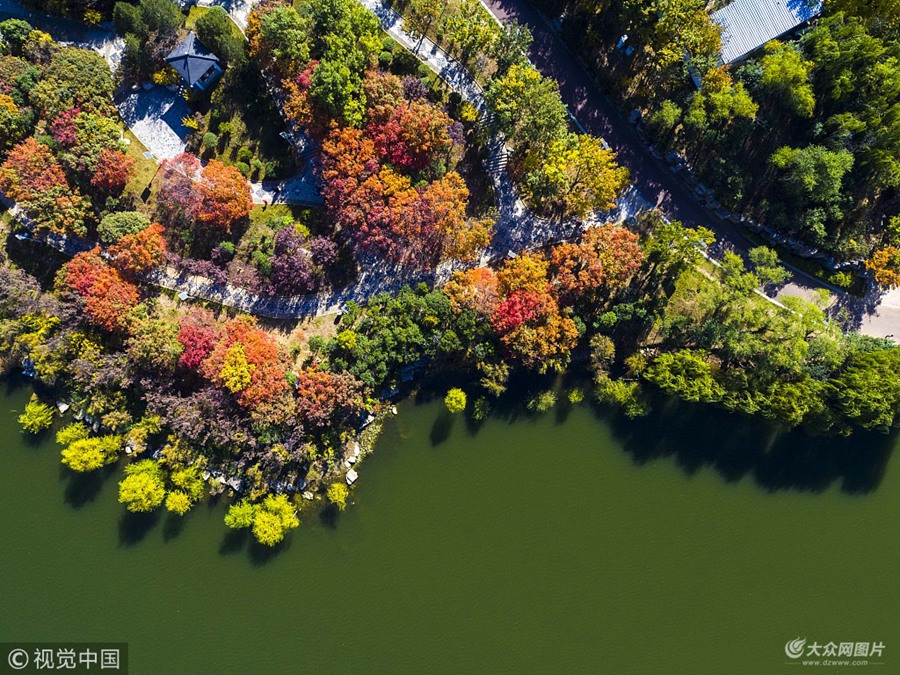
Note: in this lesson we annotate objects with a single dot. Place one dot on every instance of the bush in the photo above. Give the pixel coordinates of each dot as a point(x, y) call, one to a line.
point(481, 409)
point(455, 400)
point(243, 167)
point(575, 396)
point(542, 402)
point(842, 279)
point(37, 416)
point(337, 495)
point(385, 59)
point(116, 225)
point(210, 140)
point(244, 155)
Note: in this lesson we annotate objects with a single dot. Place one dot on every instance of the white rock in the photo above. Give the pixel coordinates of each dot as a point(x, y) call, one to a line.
point(351, 477)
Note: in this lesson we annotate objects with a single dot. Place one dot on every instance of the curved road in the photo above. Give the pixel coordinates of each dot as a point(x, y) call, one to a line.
point(875, 314)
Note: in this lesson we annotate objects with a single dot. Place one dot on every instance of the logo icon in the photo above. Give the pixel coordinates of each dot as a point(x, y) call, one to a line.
point(794, 648)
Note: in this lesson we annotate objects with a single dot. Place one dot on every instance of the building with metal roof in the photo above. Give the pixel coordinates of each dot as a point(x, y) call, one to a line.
point(749, 24)
point(198, 66)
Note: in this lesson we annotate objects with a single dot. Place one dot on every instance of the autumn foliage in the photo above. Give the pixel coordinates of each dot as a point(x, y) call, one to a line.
point(257, 366)
point(136, 253)
point(108, 296)
point(604, 260)
point(324, 397)
point(114, 170)
point(33, 177)
point(224, 196)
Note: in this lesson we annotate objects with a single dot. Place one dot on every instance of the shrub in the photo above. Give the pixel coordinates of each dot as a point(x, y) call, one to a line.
point(210, 140)
point(337, 495)
point(244, 168)
point(37, 416)
point(542, 402)
point(117, 225)
point(455, 400)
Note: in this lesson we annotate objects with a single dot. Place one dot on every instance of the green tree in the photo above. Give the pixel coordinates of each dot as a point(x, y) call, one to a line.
point(786, 75)
point(178, 502)
point(527, 107)
point(116, 225)
point(511, 46)
point(143, 488)
point(471, 29)
point(666, 118)
point(686, 375)
point(767, 266)
point(455, 400)
point(240, 515)
point(269, 520)
point(867, 391)
point(814, 173)
point(216, 30)
point(274, 518)
point(286, 35)
point(577, 176)
point(71, 433)
point(89, 454)
point(14, 33)
point(37, 416)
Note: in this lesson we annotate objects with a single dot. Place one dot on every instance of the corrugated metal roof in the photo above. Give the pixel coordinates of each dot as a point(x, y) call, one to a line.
point(749, 24)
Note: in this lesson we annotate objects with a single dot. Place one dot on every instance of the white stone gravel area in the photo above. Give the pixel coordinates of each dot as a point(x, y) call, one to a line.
point(154, 116)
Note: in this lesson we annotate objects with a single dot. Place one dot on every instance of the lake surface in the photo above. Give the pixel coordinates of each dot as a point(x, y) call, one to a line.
point(684, 543)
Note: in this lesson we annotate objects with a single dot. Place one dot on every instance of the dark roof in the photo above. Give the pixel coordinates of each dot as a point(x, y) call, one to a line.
point(191, 59)
point(748, 24)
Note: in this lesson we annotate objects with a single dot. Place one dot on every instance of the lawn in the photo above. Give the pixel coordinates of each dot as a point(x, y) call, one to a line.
point(145, 168)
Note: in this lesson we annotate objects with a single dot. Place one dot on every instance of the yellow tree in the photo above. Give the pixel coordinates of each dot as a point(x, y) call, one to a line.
point(578, 175)
point(885, 264)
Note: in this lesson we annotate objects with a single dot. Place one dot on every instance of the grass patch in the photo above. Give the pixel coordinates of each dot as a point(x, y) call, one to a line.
point(144, 169)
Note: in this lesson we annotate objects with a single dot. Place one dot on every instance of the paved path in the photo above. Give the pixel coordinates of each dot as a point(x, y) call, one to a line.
point(877, 314)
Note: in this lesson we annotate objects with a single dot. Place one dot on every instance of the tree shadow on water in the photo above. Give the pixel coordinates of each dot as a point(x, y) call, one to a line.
point(83, 488)
point(440, 430)
point(173, 526)
point(233, 542)
point(329, 516)
point(735, 446)
point(134, 527)
point(260, 554)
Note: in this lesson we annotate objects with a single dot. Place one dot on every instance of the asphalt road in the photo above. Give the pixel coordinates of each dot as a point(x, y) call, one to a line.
point(878, 314)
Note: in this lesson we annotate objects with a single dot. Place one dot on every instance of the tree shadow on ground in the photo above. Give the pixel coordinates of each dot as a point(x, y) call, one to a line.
point(698, 436)
point(134, 527)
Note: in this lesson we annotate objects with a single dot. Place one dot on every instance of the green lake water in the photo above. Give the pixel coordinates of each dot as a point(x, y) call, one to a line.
point(683, 543)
